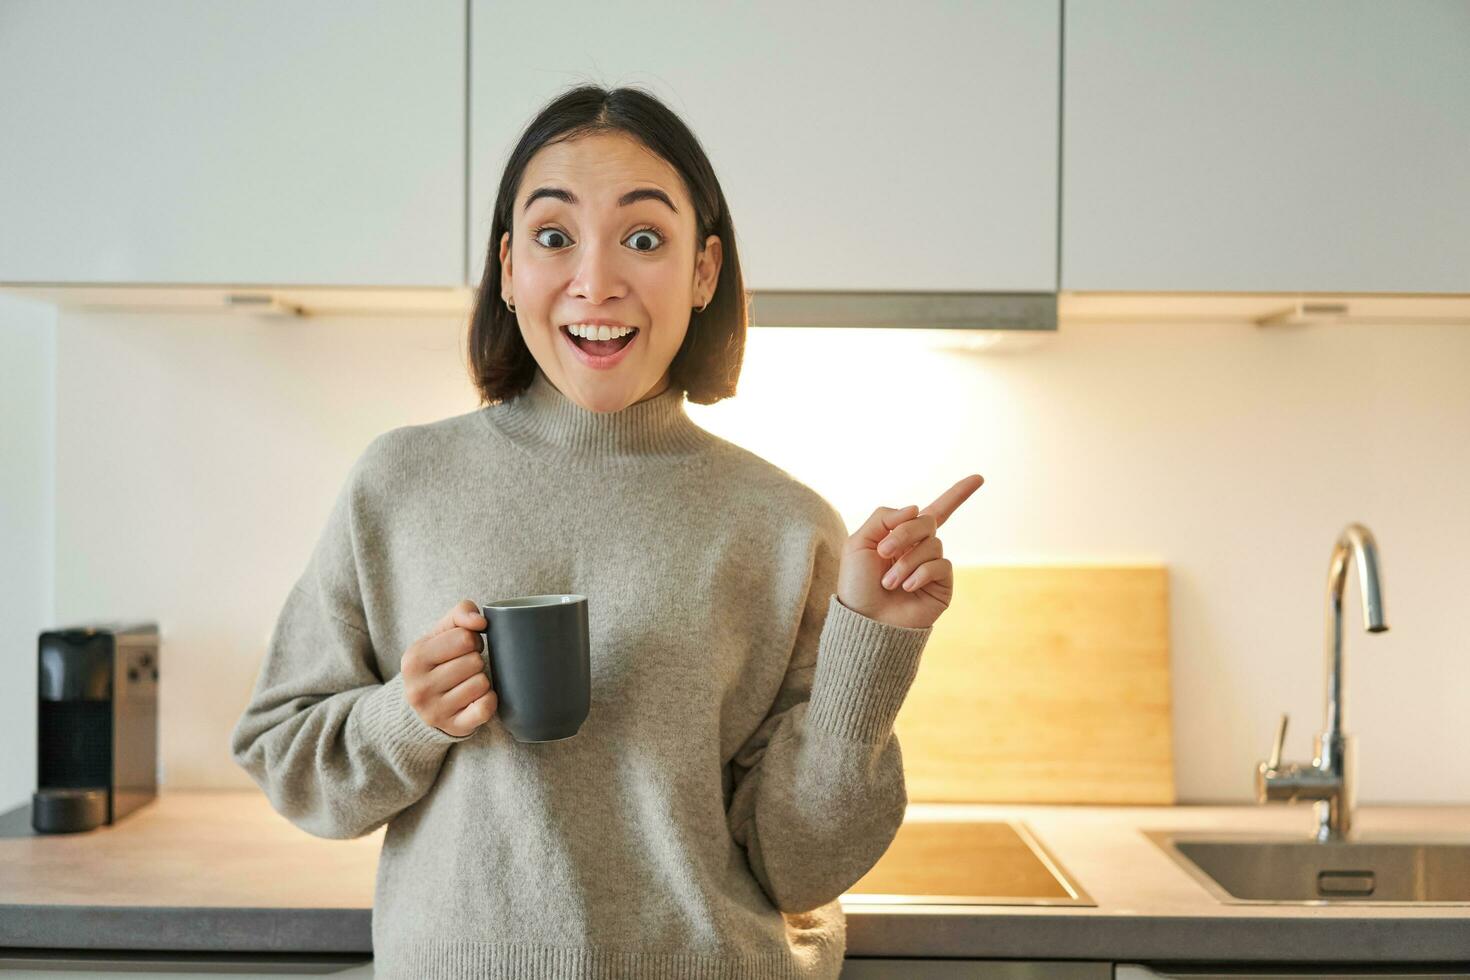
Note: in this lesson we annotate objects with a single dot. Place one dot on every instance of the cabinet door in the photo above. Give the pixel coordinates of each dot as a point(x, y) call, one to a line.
point(859, 145)
point(883, 968)
point(1298, 971)
point(272, 142)
point(87, 965)
point(1254, 145)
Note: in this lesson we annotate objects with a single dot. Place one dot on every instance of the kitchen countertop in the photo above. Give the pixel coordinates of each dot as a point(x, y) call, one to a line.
point(221, 871)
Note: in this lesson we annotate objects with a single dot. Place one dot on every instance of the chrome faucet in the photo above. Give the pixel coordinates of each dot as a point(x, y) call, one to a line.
point(1331, 778)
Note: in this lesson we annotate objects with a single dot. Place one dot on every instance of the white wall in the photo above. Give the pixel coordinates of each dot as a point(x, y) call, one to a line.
point(27, 528)
point(1233, 453)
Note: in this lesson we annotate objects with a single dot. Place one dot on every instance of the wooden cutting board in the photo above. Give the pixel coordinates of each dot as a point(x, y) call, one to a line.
point(1044, 684)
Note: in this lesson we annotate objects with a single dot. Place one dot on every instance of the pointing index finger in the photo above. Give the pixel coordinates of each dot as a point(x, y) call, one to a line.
point(949, 501)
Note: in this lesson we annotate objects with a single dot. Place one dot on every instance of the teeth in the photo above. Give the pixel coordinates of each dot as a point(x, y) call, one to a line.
point(591, 332)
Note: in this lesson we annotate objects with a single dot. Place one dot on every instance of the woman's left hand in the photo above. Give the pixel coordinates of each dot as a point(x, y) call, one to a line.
point(893, 567)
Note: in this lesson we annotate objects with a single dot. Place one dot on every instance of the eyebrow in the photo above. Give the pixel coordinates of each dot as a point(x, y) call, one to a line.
point(633, 196)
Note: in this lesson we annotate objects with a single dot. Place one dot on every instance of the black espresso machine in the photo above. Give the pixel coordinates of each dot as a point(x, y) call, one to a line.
point(97, 720)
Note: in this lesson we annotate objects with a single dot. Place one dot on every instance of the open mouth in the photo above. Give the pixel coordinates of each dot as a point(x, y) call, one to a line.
point(600, 350)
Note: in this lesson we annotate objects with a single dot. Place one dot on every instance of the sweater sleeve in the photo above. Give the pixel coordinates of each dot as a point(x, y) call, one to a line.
point(818, 788)
point(337, 749)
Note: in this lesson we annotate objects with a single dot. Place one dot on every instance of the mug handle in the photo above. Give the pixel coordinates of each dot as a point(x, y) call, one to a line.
point(485, 653)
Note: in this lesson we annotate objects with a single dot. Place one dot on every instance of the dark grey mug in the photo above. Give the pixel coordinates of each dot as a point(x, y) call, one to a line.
point(540, 664)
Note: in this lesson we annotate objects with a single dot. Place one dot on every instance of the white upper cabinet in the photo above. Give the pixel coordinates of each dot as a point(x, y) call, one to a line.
point(860, 145)
point(1255, 145)
point(273, 142)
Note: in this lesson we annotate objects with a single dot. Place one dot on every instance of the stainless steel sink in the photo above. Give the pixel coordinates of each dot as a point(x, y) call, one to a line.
point(1262, 869)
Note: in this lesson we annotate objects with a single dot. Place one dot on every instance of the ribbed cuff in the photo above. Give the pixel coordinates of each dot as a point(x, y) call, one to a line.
point(389, 721)
point(864, 671)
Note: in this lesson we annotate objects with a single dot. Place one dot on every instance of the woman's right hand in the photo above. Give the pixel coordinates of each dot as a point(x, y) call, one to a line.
point(444, 679)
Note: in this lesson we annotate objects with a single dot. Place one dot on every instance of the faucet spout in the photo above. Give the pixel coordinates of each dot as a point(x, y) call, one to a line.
point(1356, 545)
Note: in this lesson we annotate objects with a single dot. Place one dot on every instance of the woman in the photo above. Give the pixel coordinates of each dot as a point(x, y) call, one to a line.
point(738, 769)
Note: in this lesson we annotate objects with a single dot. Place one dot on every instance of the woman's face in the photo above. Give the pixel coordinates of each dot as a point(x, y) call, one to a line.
point(569, 261)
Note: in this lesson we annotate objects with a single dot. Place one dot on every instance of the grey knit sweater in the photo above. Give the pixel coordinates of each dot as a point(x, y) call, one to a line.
point(738, 770)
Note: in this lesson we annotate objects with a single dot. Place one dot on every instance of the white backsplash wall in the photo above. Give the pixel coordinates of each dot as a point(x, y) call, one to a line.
point(27, 471)
point(197, 458)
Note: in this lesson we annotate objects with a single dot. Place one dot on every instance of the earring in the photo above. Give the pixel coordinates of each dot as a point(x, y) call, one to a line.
point(510, 306)
point(700, 309)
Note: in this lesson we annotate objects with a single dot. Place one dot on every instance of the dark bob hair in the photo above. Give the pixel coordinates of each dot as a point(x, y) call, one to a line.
point(707, 365)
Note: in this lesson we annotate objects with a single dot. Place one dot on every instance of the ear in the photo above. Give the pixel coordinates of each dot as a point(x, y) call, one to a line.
point(504, 259)
point(707, 267)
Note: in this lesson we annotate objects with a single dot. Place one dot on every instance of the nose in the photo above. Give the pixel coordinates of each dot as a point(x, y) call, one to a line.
point(598, 278)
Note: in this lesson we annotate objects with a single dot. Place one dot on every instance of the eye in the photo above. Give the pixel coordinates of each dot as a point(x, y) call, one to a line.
point(644, 233)
point(536, 236)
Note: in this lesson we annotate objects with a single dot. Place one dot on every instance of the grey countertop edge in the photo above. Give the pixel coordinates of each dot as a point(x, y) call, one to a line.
point(216, 929)
point(871, 931)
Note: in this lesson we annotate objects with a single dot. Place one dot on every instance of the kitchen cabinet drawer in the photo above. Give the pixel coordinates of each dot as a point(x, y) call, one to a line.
point(858, 149)
point(84, 965)
point(922, 969)
point(273, 142)
point(1252, 145)
point(1379, 971)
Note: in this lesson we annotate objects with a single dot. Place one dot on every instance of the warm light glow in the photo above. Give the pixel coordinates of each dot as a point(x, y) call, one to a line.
point(874, 417)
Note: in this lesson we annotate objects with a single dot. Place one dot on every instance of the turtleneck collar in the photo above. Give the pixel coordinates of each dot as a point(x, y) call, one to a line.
point(549, 425)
